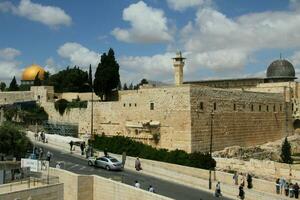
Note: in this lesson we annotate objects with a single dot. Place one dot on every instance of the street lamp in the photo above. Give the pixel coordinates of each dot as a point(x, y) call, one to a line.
point(210, 147)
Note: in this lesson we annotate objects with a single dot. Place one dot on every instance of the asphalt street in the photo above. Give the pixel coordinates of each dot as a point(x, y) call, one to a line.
point(76, 164)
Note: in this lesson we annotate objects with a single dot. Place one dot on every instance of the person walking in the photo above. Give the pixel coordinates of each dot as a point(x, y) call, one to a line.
point(41, 153)
point(281, 183)
point(249, 181)
point(151, 189)
point(291, 190)
point(49, 155)
point(71, 146)
point(236, 178)
point(137, 184)
point(296, 190)
point(286, 189)
point(105, 152)
point(277, 186)
point(241, 192)
point(82, 146)
point(138, 166)
point(218, 190)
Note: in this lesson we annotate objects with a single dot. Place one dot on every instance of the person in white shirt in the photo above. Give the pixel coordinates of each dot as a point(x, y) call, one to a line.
point(151, 189)
point(137, 184)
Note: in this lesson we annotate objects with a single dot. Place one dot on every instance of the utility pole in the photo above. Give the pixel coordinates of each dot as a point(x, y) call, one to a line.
point(210, 147)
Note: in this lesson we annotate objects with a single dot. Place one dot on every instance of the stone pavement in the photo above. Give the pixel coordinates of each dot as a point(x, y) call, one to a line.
point(228, 190)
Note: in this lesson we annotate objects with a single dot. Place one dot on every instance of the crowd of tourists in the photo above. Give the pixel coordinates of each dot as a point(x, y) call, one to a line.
point(287, 188)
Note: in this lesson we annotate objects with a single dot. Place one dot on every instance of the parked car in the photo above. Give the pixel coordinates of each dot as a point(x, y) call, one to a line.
point(108, 163)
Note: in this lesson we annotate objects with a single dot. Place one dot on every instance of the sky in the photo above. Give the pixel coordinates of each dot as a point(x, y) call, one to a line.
point(220, 38)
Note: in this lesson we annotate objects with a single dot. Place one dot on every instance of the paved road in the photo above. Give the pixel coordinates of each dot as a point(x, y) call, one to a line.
point(76, 164)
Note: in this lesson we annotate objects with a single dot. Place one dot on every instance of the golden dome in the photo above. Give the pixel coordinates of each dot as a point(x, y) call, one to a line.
point(30, 73)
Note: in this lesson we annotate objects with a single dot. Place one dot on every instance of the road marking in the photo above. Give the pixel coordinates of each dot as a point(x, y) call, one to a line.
point(82, 168)
point(76, 165)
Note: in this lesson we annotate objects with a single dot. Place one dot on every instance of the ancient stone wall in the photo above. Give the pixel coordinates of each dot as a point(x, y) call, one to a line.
point(235, 117)
point(13, 97)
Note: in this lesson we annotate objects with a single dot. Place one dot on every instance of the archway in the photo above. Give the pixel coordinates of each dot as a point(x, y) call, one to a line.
point(296, 125)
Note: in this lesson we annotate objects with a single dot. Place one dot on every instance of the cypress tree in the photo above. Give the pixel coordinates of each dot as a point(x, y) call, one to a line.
point(130, 86)
point(107, 76)
point(37, 81)
point(13, 86)
point(125, 86)
point(286, 152)
point(90, 78)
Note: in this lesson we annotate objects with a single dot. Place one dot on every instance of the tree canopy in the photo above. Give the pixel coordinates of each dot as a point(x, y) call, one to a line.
point(13, 86)
point(70, 80)
point(2, 86)
point(13, 142)
point(286, 152)
point(37, 81)
point(107, 76)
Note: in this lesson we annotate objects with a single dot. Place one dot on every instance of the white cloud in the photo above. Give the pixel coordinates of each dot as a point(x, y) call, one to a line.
point(49, 15)
point(148, 25)
point(8, 64)
point(156, 67)
point(9, 53)
point(221, 43)
point(78, 54)
point(181, 5)
point(51, 66)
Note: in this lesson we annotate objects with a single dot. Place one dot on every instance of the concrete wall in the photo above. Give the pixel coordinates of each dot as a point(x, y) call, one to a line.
point(48, 192)
point(85, 187)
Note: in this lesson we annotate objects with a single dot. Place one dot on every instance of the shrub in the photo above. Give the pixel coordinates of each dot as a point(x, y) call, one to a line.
point(286, 152)
point(119, 144)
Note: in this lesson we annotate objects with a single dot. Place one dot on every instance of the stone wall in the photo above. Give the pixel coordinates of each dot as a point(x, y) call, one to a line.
point(14, 97)
point(235, 117)
point(86, 187)
point(49, 192)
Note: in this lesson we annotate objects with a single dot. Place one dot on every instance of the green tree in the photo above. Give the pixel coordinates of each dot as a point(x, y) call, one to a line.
point(107, 76)
point(13, 86)
point(37, 81)
point(70, 80)
point(125, 86)
point(13, 142)
point(46, 78)
point(2, 86)
point(130, 86)
point(143, 81)
point(90, 78)
point(286, 152)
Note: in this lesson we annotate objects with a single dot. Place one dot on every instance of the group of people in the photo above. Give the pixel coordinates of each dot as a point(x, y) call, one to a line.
point(236, 176)
point(82, 148)
point(150, 188)
point(289, 189)
point(39, 153)
point(40, 137)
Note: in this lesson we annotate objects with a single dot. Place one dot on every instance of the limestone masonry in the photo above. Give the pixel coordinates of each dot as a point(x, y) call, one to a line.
point(184, 116)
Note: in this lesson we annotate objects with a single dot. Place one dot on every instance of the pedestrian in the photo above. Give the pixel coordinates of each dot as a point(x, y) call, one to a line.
point(151, 189)
point(241, 192)
point(87, 152)
point(296, 190)
point(57, 165)
point(71, 145)
point(286, 189)
point(41, 153)
point(291, 190)
point(242, 180)
point(36, 136)
point(82, 146)
point(138, 166)
point(105, 152)
point(218, 190)
point(281, 183)
point(236, 178)
point(249, 181)
point(277, 186)
point(137, 184)
point(49, 155)
point(36, 152)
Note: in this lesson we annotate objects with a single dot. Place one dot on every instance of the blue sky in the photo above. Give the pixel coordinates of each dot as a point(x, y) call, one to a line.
point(221, 39)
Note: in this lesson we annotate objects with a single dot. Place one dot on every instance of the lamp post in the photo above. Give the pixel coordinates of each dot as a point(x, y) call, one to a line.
point(210, 147)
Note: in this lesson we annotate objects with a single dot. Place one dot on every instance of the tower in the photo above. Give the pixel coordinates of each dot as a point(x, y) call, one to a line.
point(178, 63)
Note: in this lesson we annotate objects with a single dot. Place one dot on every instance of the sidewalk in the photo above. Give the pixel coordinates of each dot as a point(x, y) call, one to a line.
point(228, 190)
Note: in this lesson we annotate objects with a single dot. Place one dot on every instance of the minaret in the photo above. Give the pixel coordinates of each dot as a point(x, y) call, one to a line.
point(178, 63)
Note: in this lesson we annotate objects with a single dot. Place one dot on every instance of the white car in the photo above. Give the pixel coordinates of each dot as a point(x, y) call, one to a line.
point(108, 163)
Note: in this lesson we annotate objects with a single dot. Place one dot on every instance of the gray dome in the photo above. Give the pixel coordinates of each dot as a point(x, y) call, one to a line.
point(281, 69)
